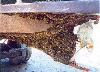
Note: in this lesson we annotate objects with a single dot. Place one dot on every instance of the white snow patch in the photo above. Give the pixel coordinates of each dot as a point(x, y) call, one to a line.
point(86, 58)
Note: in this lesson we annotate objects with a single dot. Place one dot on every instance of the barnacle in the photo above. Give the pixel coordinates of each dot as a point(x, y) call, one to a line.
point(58, 41)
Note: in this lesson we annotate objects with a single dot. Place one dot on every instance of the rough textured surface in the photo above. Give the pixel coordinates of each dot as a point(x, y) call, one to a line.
point(60, 46)
point(58, 41)
point(66, 19)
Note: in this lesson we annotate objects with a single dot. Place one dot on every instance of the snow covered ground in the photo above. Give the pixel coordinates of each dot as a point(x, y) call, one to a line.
point(93, 58)
point(41, 62)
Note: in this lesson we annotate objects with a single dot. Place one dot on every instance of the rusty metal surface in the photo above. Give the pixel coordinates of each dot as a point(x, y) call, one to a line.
point(63, 6)
point(23, 25)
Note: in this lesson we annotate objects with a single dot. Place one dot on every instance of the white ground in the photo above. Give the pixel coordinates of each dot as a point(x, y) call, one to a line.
point(93, 58)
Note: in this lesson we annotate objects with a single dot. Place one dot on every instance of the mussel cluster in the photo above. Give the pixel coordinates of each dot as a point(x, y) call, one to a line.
point(58, 41)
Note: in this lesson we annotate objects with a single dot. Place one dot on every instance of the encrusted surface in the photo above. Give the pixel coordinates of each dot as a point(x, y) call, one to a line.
point(58, 41)
point(66, 19)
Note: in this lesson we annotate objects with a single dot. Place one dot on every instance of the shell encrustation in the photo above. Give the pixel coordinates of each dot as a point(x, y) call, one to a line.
point(58, 41)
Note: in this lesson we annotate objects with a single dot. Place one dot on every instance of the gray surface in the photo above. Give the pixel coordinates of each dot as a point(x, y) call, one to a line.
point(63, 6)
point(40, 62)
